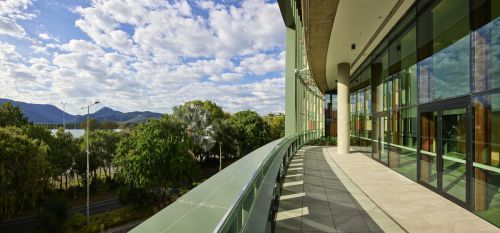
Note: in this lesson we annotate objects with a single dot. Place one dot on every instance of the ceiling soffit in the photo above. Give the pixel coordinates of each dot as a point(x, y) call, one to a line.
point(363, 23)
point(318, 17)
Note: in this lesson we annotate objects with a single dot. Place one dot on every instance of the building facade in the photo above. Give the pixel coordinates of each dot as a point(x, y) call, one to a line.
point(417, 88)
point(330, 114)
point(304, 101)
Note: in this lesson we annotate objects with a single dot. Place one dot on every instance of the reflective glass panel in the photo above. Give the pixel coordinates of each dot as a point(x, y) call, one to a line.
point(454, 147)
point(380, 138)
point(403, 153)
point(486, 174)
point(428, 158)
point(379, 73)
point(384, 124)
point(443, 41)
point(403, 60)
point(486, 44)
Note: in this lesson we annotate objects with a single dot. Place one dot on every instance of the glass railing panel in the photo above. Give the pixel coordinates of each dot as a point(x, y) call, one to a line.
point(226, 201)
point(203, 208)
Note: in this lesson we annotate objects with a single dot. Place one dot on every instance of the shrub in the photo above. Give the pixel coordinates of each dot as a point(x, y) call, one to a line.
point(135, 196)
point(332, 141)
point(54, 213)
point(112, 183)
point(354, 141)
point(102, 221)
point(76, 191)
point(326, 141)
point(77, 221)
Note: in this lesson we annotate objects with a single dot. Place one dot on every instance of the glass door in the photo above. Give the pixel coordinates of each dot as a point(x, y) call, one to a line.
point(376, 139)
point(444, 150)
point(380, 138)
point(454, 152)
point(428, 156)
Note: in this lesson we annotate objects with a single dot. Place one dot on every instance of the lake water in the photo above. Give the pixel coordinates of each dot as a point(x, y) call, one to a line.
point(77, 132)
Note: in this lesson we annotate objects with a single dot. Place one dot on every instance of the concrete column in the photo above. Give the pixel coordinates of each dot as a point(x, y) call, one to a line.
point(343, 108)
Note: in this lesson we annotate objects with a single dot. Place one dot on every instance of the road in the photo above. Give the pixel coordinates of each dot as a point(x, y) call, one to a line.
point(26, 223)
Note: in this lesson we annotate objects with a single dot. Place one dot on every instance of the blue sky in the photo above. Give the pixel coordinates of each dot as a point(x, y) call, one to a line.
point(143, 55)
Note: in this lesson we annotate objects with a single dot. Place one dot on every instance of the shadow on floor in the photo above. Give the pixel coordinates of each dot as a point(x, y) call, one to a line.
point(314, 200)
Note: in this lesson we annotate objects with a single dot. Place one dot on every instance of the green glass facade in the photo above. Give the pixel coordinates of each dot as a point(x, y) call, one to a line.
point(426, 102)
point(304, 103)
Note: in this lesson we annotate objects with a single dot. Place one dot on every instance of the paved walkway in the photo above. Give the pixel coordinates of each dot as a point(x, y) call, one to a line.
point(414, 207)
point(317, 199)
point(329, 192)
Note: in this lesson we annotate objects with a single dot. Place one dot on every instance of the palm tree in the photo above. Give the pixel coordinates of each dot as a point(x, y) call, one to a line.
point(198, 125)
point(224, 135)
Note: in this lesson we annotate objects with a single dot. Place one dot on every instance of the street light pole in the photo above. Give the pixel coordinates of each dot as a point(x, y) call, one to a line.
point(64, 115)
point(88, 155)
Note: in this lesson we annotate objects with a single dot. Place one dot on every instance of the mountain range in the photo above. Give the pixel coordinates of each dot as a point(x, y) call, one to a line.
point(50, 114)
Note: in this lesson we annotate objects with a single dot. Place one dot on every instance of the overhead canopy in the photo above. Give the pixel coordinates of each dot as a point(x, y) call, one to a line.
point(363, 23)
point(332, 27)
point(318, 17)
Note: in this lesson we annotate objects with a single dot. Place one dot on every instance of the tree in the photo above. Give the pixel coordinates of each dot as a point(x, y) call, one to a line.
point(110, 125)
point(40, 133)
point(62, 155)
point(103, 145)
point(80, 161)
point(277, 125)
point(251, 130)
point(127, 125)
point(80, 165)
point(199, 127)
point(93, 124)
point(156, 154)
point(23, 170)
point(11, 115)
point(225, 136)
point(216, 111)
point(54, 213)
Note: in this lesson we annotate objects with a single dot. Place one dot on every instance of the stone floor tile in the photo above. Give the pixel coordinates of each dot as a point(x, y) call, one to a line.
point(371, 224)
point(289, 224)
point(313, 185)
point(318, 223)
point(351, 223)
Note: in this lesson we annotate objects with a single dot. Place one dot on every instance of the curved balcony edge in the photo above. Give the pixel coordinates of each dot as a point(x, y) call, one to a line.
point(243, 197)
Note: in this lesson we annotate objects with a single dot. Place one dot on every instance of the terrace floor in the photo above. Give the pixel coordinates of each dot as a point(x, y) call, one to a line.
point(327, 192)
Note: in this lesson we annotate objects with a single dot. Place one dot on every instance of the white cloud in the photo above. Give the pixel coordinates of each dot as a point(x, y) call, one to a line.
point(160, 26)
point(9, 27)
point(227, 77)
point(15, 8)
point(246, 30)
point(8, 52)
point(155, 54)
point(10, 12)
point(261, 96)
point(263, 63)
point(44, 36)
point(83, 47)
point(39, 49)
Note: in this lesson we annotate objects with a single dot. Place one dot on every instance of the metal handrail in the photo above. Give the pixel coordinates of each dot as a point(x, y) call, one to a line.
point(229, 200)
point(226, 224)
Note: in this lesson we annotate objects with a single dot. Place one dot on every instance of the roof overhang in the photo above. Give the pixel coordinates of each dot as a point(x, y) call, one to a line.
point(363, 23)
point(318, 17)
point(287, 13)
